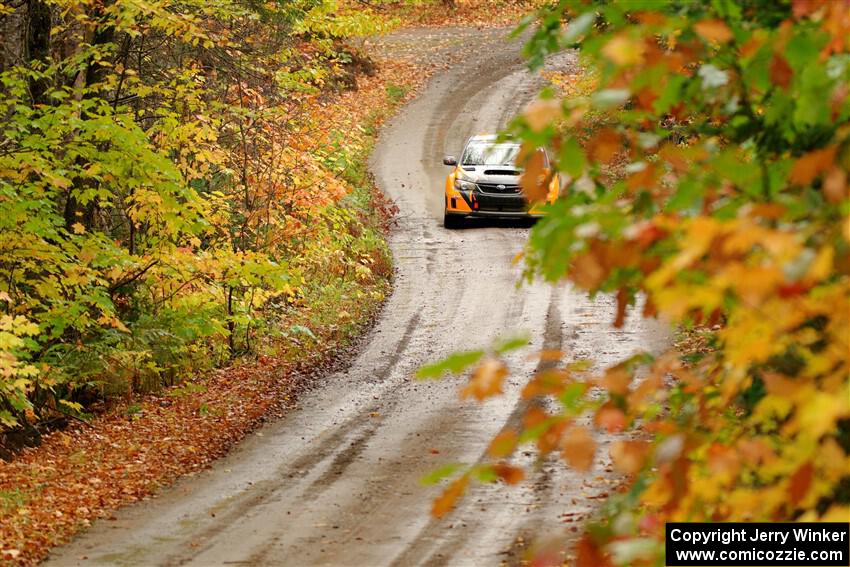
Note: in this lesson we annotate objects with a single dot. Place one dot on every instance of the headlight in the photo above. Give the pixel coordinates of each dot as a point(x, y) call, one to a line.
point(463, 185)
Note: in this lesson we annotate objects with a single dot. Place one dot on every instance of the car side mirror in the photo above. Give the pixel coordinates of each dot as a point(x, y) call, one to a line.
point(449, 160)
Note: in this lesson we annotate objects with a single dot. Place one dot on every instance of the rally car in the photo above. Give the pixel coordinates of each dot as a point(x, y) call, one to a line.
point(485, 183)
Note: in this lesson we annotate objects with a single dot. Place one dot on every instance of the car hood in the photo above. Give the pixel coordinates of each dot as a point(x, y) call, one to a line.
point(500, 174)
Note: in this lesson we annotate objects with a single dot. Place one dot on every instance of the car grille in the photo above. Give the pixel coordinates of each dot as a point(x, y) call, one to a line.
point(510, 203)
point(499, 188)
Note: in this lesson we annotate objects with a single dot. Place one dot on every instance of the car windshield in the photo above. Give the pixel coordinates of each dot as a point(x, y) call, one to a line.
point(481, 152)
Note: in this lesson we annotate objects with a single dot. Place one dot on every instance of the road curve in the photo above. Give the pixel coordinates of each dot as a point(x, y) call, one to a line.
point(335, 482)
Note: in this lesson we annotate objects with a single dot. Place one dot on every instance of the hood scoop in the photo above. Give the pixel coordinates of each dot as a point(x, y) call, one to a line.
point(513, 172)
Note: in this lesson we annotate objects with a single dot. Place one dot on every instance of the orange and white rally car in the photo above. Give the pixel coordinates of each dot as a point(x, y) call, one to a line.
point(485, 183)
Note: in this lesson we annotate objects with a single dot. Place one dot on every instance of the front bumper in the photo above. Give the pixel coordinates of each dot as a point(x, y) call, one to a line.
point(480, 204)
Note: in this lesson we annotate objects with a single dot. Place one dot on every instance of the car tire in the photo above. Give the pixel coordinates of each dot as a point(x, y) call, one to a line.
point(452, 221)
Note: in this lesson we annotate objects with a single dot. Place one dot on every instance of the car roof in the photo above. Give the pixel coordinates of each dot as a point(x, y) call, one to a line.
point(488, 138)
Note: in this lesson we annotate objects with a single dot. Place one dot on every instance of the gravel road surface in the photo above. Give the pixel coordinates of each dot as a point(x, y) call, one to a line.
point(336, 481)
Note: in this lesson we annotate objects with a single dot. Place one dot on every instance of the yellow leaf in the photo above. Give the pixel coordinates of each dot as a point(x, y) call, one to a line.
point(623, 50)
point(78, 228)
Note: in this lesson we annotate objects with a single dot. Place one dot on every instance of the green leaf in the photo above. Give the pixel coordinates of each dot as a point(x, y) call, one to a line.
point(572, 158)
point(571, 396)
point(577, 28)
point(508, 345)
point(439, 474)
point(454, 363)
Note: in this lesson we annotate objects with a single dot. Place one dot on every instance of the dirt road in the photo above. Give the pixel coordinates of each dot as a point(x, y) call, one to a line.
point(336, 481)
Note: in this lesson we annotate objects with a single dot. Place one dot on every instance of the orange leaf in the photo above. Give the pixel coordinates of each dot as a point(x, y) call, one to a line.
point(447, 500)
point(511, 475)
point(622, 304)
point(809, 166)
point(589, 554)
point(547, 355)
point(533, 180)
point(645, 178)
point(616, 380)
point(587, 272)
point(486, 381)
point(551, 438)
point(546, 382)
point(629, 456)
point(713, 31)
point(611, 419)
point(503, 444)
point(835, 185)
point(533, 417)
point(800, 483)
point(646, 97)
point(578, 448)
point(604, 145)
point(723, 460)
point(541, 113)
point(780, 71)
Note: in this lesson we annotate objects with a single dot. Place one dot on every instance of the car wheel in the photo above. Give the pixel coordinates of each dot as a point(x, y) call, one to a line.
point(452, 221)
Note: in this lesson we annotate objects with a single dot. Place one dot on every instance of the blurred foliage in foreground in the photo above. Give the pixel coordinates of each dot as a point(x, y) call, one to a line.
point(708, 167)
point(169, 186)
